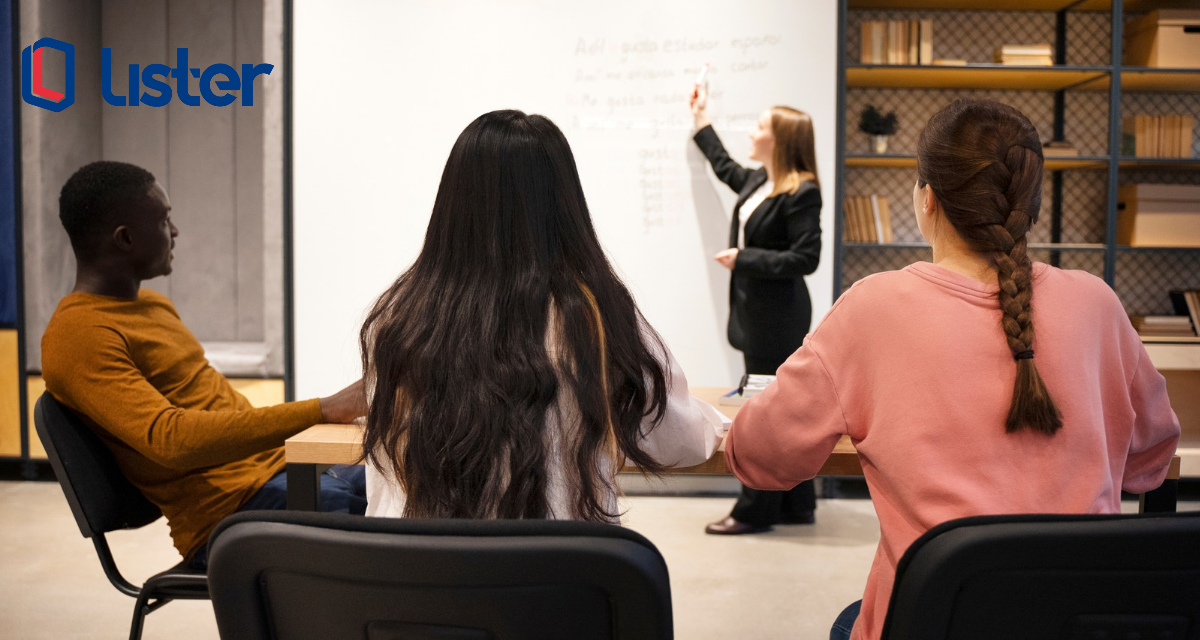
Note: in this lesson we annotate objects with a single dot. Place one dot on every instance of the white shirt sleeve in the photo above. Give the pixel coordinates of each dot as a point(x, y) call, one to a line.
point(691, 430)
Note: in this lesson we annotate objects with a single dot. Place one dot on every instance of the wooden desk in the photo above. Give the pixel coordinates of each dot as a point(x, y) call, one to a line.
point(311, 451)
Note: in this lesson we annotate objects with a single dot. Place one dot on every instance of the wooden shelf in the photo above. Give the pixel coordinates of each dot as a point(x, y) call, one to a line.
point(1173, 357)
point(1131, 6)
point(1174, 164)
point(1033, 246)
point(1149, 80)
point(1128, 249)
point(974, 76)
point(904, 161)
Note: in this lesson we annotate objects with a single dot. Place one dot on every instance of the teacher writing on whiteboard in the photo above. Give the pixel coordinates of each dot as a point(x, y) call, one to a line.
point(774, 241)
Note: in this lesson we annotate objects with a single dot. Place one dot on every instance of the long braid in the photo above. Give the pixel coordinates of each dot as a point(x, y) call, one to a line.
point(1032, 405)
point(992, 198)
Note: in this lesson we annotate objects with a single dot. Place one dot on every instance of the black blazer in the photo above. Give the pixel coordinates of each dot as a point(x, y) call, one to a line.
point(769, 307)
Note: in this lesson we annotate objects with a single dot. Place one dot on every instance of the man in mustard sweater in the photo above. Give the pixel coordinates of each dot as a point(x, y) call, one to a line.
point(120, 357)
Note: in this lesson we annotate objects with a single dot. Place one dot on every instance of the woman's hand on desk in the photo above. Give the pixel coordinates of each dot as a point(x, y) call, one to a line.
point(698, 101)
point(344, 406)
point(727, 258)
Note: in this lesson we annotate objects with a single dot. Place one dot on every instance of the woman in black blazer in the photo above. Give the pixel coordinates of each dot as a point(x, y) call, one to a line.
point(774, 241)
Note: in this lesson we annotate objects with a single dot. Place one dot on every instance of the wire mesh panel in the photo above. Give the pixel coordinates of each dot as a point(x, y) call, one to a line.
point(1084, 196)
point(974, 35)
point(914, 107)
point(1085, 121)
point(862, 261)
point(1145, 278)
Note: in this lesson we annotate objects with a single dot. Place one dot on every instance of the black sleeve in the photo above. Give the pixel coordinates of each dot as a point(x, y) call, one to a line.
point(728, 171)
point(803, 216)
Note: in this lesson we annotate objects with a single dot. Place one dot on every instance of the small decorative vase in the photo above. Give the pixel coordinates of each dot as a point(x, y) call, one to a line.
point(879, 143)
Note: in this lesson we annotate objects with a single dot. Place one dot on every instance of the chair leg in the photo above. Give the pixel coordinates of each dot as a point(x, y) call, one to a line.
point(140, 609)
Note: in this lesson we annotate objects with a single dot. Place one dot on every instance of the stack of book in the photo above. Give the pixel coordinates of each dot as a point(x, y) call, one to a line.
point(1168, 136)
point(1163, 326)
point(1059, 149)
point(897, 42)
point(1025, 55)
point(868, 219)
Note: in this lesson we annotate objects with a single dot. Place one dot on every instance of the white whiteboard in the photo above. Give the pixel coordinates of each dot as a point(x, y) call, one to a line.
point(383, 88)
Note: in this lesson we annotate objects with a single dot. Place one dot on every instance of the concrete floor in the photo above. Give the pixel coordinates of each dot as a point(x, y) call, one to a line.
point(790, 583)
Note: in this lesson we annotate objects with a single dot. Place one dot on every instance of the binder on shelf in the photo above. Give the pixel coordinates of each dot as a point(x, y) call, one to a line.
point(926, 55)
point(885, 216)
point(876, 220)
point(868, 220)
point(914, 42)
point(1187, 303)
point(851, 224)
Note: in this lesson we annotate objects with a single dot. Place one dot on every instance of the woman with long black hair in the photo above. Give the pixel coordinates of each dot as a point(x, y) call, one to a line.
point(510, 373)
point(774, 241)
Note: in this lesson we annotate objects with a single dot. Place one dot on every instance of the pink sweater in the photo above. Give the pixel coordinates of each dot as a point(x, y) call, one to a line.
point(913, 365)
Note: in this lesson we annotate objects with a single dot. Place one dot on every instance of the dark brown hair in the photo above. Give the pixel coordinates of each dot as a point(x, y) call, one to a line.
point(461, 373)
point(983, 161)
point(795, 158)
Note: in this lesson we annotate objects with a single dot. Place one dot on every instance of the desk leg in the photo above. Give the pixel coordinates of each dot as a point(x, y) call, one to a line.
point(1160, 500)
point(304, 487)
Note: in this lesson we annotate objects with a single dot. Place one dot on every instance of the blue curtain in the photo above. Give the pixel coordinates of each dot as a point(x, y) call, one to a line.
point(8, 183)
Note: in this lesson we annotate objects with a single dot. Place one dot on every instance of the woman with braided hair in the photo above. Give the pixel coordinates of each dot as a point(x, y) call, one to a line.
point(978, 383)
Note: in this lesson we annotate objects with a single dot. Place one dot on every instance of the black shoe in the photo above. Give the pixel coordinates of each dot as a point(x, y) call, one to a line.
point(731, 527)
point(802, 517)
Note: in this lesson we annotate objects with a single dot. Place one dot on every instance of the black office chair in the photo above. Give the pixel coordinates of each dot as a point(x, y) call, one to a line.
point(103, 500)
point(1051, 576)
point(302, 575)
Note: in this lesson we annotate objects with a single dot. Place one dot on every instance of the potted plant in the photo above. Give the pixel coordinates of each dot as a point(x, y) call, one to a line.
point(878, 126)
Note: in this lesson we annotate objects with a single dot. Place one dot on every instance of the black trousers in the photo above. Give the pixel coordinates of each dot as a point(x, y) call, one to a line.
point(762, 508)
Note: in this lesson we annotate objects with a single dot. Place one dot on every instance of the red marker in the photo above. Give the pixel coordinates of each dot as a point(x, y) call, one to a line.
point(700, 81)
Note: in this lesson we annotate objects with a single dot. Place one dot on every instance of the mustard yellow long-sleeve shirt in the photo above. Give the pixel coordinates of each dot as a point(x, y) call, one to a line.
point(181, 434)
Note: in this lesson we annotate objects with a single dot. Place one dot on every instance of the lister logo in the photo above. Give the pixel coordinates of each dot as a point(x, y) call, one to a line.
point(216, 83)
point(33, 88)
point(154, 76)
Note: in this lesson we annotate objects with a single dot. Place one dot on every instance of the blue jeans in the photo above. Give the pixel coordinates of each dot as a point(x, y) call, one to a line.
point(845, 622)
point(343, 490)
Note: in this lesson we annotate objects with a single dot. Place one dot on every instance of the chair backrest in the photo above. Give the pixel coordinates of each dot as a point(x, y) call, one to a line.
point(297, 575)
point(1050, 576)
point(100, 496)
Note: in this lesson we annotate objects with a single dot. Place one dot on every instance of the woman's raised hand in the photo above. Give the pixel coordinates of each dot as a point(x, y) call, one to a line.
point(698, 101)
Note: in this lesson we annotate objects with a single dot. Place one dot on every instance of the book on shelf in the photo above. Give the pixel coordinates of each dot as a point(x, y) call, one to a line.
point(883, 218)
point(1039, 49)
point(1032, 55)
point(1059, 149)
point(1163, 326)
point(897, 42)
point(925, 56)
point(868, 219)
point(1162, 136)
point(914, 42)
point(949, 62)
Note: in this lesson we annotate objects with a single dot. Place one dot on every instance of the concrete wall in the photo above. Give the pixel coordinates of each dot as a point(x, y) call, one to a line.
point(213, 161)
